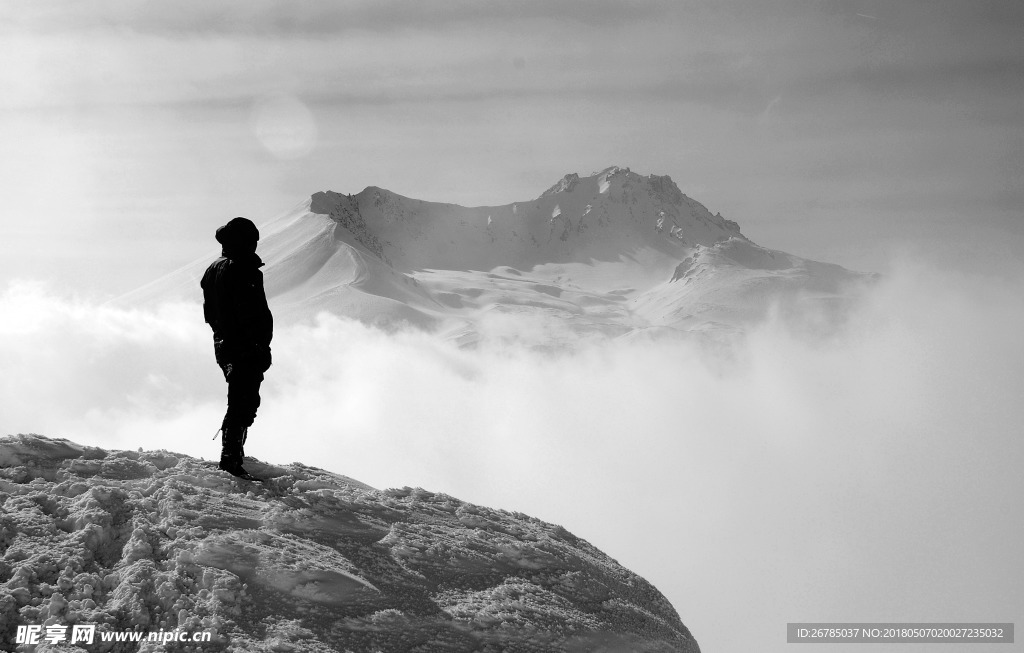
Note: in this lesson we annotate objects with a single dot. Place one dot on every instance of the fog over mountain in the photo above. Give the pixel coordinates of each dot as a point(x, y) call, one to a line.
point(611, 254)
point(845, 449)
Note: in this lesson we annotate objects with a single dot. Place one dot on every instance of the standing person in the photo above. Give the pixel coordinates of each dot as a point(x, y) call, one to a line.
point(235, 307)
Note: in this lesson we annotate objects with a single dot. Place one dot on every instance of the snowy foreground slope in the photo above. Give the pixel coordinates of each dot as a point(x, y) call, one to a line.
point(613, 254)
point(309, 561)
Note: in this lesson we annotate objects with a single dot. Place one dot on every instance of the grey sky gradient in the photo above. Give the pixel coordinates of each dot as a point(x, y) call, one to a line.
point(842, 131)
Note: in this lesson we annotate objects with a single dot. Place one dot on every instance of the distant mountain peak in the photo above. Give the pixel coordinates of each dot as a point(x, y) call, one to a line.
point(615, 252)
point(564, 185)
point(662, 187)
point(569, 182)
point(666, 190)
point(610, 171)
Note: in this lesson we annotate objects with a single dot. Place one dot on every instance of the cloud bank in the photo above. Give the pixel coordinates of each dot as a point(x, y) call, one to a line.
point(868, 475)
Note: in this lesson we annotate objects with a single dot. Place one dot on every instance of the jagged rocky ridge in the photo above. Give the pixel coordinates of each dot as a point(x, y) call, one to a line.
point(309, 561)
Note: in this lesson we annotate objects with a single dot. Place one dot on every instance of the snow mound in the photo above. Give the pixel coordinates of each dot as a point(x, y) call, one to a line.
point(306, 561)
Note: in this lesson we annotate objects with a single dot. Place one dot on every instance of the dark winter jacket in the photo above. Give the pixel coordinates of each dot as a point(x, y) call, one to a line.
point(235, 306)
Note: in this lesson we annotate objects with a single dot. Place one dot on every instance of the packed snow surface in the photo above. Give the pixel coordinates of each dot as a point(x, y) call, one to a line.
point(306, 561)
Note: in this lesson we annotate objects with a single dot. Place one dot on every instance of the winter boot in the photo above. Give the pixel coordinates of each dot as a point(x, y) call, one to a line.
point(232, 454)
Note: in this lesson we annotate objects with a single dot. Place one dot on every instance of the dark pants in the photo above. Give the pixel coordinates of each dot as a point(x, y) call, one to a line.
point(244, 375)
point(243, 394)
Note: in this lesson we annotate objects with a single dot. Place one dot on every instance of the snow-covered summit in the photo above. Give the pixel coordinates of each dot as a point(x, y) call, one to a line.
point(600, 217)
point(308, 561)
point(599, 252)
point(564, 185)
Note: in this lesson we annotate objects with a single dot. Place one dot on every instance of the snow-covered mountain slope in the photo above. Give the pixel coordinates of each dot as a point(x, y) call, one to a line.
point(736, 282)
point(614, 253)
point(308, 561)
point(601, 217)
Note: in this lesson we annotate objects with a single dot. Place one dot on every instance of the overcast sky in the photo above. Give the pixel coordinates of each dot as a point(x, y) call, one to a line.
point(834, 130)
point(844, 131)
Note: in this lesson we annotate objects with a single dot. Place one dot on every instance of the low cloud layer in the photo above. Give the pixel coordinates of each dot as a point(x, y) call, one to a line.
point(870, 475)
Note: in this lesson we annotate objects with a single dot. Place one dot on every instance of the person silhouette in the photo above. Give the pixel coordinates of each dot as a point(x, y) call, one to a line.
point(235, 307)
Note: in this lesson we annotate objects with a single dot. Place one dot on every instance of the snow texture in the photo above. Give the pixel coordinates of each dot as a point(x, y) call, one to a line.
point(307, 561)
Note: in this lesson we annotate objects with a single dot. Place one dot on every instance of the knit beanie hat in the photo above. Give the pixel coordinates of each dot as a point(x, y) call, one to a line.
point(237, 231)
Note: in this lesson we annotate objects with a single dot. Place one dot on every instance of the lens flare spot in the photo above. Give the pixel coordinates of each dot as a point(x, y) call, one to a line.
point(284, 125)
